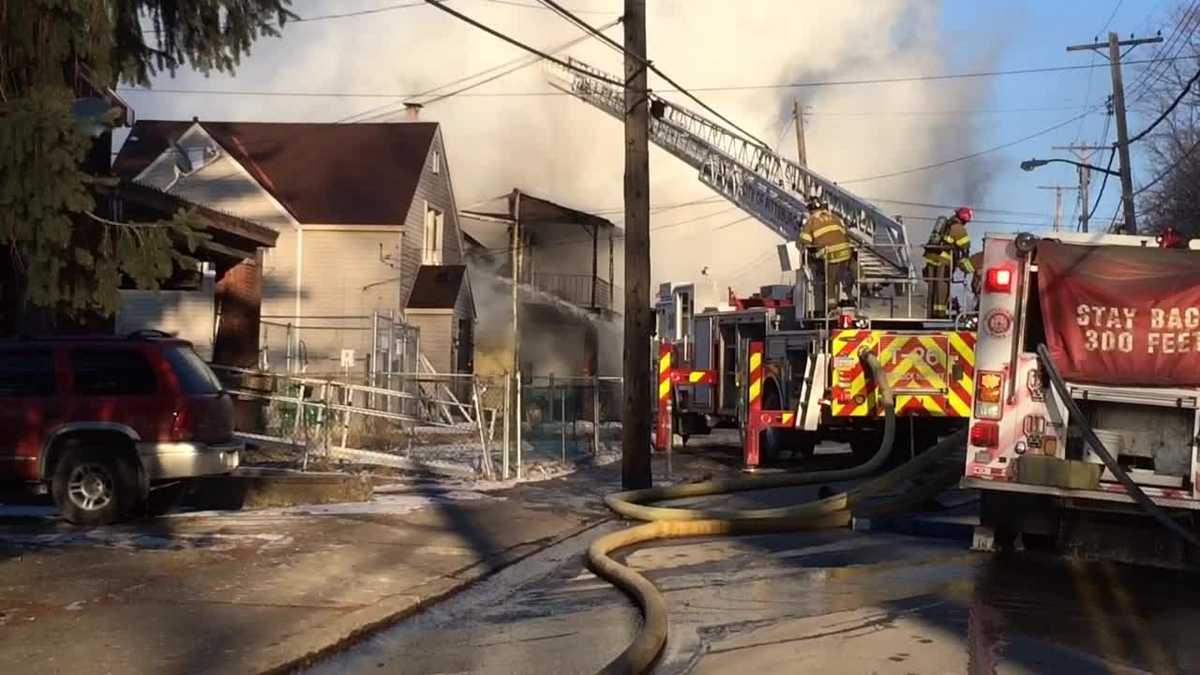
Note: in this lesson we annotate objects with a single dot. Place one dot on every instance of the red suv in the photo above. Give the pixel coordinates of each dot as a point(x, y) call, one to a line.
point(101, 421)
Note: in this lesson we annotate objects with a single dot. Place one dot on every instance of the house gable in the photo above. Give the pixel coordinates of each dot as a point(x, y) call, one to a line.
point(433, 191)
point(212, 177)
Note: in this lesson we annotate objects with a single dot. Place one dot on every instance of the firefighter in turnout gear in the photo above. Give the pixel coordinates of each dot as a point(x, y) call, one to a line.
point(949, 247)
point(831, 255)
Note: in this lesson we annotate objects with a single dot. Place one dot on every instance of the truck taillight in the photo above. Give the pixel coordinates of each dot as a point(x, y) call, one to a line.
point(985, 434)
point(988, 387)
point(998, 280)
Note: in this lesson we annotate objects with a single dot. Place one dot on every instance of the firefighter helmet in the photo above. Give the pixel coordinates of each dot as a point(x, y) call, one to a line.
point(815, 202)
point(964, 213)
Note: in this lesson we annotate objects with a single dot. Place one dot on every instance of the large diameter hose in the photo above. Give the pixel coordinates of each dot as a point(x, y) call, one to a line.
point(1134, 490)
point(674, 523)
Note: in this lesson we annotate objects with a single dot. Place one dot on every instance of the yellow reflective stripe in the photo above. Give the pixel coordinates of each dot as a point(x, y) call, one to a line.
point(664, 364)
point(827, 229)
point(838, 257)
point(966, 265)
point(755, 390)
point(664, 389)
point(964, 240)
point(806, 237)
point(695, 377)
point(755, 361)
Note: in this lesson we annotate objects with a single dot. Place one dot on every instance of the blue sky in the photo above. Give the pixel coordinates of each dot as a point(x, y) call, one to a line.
point(1036, 34)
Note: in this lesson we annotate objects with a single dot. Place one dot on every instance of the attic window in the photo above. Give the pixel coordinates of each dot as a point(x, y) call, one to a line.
point(192, 158)
point(437, 162)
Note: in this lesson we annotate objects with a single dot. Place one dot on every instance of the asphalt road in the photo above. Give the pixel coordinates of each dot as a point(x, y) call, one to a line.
point(833, 601)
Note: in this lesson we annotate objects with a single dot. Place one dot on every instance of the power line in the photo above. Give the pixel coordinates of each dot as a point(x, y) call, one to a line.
point(1169, 170)
point(1171, 108)
point(503, 70)
point(514, 3)
point(715, 88)
point(1104, 183)
point(649, 64)
point(973, 155)
point(361, 12)
point(441, 4)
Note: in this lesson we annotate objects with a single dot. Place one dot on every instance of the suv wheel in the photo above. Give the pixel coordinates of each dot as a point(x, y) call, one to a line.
point(92, 487)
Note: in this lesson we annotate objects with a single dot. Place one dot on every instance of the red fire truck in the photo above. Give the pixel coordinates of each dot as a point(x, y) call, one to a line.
point(1087, 393)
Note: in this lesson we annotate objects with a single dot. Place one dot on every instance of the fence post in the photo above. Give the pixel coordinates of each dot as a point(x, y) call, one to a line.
point(562, 422)
point(595, 415)
point(507, 414)
point(486, 459)
point(517, 421)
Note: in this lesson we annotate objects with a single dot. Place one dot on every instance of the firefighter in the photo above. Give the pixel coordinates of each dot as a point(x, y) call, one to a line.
point(949, 248)
point(824, 235)
point(1171, 238)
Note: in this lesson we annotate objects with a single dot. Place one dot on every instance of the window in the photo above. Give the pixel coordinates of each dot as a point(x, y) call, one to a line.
point(432, 251)
point(26, 372)
point(195, 377)
point(112, 372)
point(437, 162)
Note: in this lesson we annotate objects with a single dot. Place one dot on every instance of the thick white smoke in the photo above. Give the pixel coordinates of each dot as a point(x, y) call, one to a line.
point(560, 148)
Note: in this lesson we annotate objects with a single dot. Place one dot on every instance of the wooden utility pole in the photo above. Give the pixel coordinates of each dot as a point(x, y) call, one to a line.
point(515, 206)
point(635, 436)
point(801, 148)
point(1058, 202)
point(1114, 45)
point(1083, 153)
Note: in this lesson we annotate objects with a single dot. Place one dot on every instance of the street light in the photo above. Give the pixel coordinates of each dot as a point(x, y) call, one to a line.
point(1031, 164)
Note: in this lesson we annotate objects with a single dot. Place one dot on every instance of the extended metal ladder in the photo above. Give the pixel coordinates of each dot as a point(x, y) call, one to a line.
point(769, 187)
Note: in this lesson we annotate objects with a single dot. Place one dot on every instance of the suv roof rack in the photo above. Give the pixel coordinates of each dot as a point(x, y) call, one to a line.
point(146, 333)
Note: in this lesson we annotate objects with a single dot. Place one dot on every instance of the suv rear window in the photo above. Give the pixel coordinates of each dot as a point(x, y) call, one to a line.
point(26, 372)
point(112, 372)
point(195, 377)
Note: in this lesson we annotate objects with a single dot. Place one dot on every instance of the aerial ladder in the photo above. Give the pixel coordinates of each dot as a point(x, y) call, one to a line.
point(767, 365)
point(758, 180)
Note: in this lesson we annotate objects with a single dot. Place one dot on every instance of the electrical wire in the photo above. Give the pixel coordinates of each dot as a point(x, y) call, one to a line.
point(650, 65)
point(513, 3)
point(1104, 183)
point(1171, 108)
point(1169, 170)
point(441, 4)
point(963, 158)
point(504, 69)
point(715, 88)
point(361, 12)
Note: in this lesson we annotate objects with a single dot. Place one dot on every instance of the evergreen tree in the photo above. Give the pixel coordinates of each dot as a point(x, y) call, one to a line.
point(58, 253)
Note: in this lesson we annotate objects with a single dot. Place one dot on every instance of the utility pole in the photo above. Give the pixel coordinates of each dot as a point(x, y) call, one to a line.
point(1058, 203)
point(1114, 45)
point(1083, 153)
point(635, 435)
point(515, 206)
point(801, 150)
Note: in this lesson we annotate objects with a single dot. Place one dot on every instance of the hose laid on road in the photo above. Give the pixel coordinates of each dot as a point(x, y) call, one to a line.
point(674, 523)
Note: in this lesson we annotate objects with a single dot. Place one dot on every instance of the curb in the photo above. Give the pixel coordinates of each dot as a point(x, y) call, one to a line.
point(370, 627)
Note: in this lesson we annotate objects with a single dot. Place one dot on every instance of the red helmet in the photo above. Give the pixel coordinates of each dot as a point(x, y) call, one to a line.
point(964, 213)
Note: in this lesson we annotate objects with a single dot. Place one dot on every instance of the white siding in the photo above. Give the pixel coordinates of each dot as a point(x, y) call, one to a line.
point(186, 314)
point(437, 336)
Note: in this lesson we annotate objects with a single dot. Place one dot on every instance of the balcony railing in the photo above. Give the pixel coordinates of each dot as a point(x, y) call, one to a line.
point(576, 289)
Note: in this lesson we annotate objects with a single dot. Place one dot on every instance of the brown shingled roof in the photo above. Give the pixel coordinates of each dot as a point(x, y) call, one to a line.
point(437, 287)
point(363, 174)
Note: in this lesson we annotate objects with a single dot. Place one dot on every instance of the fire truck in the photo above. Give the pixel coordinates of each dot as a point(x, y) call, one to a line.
point(776, 364)
point(1086, 413)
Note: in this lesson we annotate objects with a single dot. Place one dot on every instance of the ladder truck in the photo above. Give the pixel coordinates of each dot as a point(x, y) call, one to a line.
point(776, 365)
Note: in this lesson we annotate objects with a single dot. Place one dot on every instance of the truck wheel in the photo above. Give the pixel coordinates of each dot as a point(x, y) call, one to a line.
point(91, 486)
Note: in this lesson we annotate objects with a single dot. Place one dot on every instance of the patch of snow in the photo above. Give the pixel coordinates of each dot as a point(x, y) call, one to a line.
point(385, 502)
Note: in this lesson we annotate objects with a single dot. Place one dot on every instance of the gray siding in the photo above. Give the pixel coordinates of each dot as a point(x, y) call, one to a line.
point(437, 335)
point(190, 315)
point(434, 190)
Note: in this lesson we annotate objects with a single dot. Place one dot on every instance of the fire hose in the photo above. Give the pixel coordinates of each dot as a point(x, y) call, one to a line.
point(673, 523)
point(1089, 435)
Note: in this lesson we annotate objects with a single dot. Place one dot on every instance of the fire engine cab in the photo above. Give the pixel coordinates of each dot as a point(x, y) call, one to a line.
point(1118, 319)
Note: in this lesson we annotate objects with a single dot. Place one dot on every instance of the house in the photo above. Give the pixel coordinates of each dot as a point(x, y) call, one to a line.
point(569, 305)
point(360, 211)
